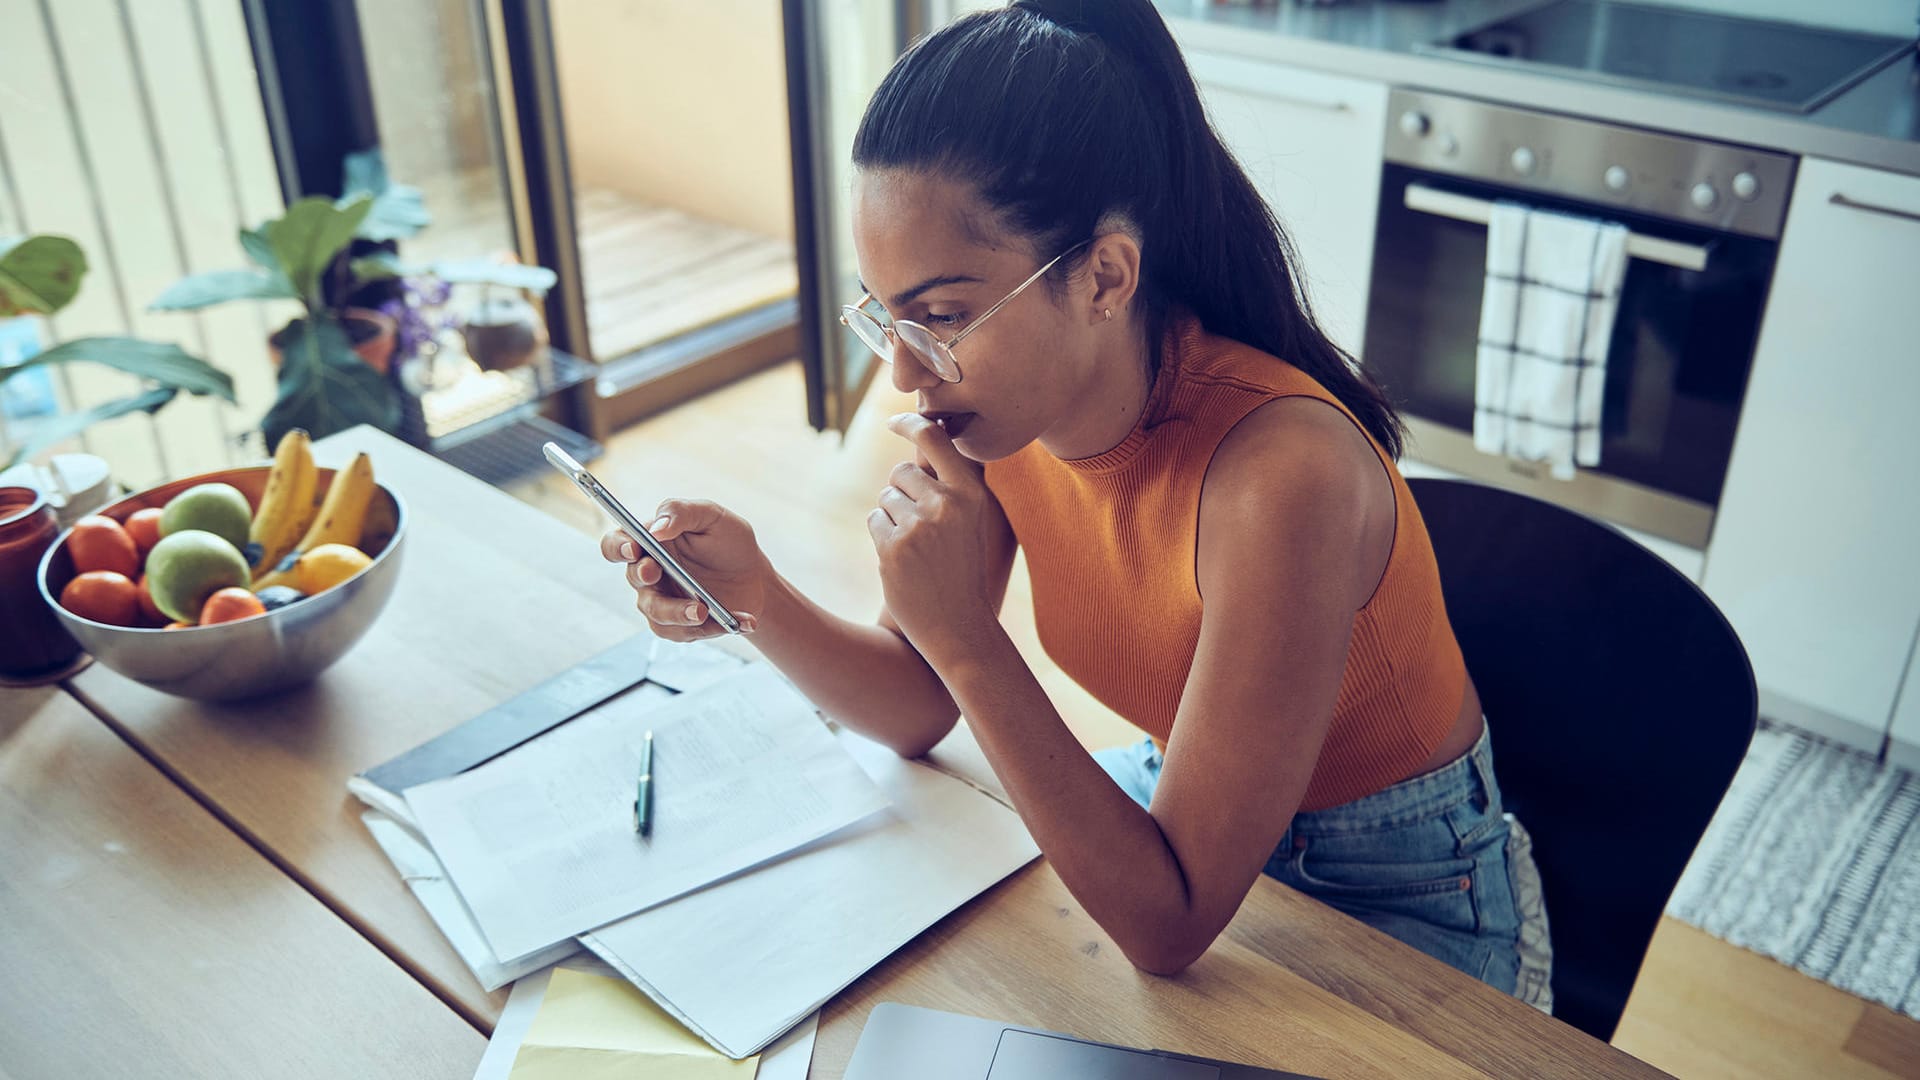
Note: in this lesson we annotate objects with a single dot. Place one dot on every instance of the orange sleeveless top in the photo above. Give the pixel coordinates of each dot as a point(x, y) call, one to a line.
point(1110, 544)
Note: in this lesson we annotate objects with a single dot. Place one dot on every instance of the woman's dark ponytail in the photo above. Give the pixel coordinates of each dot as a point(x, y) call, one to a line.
point(1063, 112)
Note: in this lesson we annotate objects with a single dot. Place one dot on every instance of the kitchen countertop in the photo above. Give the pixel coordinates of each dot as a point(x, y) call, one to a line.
point(1875, 123)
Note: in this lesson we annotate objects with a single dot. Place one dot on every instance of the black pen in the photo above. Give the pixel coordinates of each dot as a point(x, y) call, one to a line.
point(643, 798)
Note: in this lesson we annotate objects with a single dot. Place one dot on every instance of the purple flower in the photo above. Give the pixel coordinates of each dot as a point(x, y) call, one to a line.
point(419, 314)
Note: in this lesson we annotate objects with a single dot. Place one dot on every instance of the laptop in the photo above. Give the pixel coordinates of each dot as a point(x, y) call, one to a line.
point(903, 1041)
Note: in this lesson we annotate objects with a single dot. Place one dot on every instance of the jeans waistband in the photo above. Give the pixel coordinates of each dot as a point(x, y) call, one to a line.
point(1469, 776)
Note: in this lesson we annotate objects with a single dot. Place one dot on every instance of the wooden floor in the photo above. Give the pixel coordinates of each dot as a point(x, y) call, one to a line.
point(650, 272)
point(1702, 1008)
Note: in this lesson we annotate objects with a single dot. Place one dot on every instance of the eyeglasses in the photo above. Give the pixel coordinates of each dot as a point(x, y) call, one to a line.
point(927, 347)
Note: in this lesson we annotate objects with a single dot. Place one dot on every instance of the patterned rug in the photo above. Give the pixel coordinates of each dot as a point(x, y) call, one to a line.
point(1814, 860)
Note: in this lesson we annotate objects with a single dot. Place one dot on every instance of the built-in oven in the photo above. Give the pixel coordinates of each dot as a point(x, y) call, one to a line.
point(1705, 221)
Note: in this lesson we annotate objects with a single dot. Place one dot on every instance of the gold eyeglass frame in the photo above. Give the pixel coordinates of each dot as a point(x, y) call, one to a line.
point(942, 363)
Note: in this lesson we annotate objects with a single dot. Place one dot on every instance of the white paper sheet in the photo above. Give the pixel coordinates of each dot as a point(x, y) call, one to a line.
point(540, 842)
point(422, 872)
point(743, 960)
point(688, 667)
point(511, 1030)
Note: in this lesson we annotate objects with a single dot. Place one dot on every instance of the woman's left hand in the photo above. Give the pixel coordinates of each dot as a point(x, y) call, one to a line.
point(933, 531)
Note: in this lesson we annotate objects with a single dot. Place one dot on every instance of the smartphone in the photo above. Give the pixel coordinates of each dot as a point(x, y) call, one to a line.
point(624, 518)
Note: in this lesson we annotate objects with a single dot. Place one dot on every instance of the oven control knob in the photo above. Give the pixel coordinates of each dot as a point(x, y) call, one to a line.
point(1449, 145)
point(1703, 196)
point(1414, 123)
point(1522, 161)
point(1746, 187)
point(1617, 178)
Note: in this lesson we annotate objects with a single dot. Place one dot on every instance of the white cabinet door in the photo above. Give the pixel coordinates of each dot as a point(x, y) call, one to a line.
point(1813, 549)
point(1311, 143)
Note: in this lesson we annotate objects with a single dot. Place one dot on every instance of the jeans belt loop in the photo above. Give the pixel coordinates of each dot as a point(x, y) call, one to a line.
point(1480, 758)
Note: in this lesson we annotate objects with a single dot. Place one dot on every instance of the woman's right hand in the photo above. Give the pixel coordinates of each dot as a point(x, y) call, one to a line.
point(715, 546)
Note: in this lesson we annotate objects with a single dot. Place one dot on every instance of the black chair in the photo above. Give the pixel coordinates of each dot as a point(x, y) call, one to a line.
point(1620, 701)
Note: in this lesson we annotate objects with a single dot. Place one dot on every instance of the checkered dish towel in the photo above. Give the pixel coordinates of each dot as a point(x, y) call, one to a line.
point(1546, 317)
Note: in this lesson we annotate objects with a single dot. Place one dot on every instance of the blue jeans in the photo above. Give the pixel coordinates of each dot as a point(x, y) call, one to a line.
point(1424, 861)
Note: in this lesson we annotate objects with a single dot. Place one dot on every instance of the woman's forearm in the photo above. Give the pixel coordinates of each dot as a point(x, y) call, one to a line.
point(861, 674)
point(1109, 851)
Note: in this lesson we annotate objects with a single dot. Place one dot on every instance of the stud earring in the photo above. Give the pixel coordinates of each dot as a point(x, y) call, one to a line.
point(1109, 314)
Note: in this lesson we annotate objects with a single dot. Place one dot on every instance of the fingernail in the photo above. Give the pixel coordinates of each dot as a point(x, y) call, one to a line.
point(659, 523)
point(626, 550)
point(692, 610)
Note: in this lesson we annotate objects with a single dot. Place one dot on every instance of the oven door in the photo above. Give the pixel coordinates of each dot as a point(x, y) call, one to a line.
point(1677, 368)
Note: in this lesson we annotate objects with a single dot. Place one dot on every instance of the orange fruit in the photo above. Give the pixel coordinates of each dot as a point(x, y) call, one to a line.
point(328, 565)
point(103, 596)
point(100, 543)
point(231, 604)
point(177, 625)
point(144, 527)
point(155, 617)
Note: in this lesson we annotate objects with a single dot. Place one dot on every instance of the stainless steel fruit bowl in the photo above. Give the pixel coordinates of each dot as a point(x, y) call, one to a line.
point(249, 657)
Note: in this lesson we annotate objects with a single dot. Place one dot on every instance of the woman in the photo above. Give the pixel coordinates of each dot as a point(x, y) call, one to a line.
point(1116, 372)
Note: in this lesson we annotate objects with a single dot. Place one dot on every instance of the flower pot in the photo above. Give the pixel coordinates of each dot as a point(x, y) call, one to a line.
point(371, 333)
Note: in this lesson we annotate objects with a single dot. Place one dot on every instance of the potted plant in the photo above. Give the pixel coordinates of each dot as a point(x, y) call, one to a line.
point(334, 258)
point(39, 275)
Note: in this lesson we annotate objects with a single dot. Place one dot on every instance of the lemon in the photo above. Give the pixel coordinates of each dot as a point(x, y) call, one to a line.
point(328, 565)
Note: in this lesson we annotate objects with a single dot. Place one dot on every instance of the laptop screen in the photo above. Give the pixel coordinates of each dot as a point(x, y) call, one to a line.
point(1023, 1055)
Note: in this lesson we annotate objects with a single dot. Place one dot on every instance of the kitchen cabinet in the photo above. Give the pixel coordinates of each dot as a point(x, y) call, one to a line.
point(1311, 143)
point(1903, 749)
point(1813, 550)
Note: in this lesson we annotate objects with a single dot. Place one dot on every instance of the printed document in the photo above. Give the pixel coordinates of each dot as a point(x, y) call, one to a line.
point(540, 842)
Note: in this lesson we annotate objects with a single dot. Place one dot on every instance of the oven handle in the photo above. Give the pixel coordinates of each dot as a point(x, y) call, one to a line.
point(1446, 204)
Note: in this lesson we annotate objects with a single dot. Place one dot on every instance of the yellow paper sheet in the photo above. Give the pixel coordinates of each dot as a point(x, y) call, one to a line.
point(590, 1027)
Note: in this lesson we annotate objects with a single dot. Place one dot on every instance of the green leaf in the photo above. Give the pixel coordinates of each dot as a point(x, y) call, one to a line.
point(60, 428)
point(484, 272)
point(310, 234)
point(259, 250)
point(381, 266)
point(163, 362)
point(363, 172)
point(398, 211)
point(196, 291)
point(324, 387)
point(40, 274)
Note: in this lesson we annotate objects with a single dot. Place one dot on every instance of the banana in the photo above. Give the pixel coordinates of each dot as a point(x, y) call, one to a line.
point(342, 516)
point(288, 507)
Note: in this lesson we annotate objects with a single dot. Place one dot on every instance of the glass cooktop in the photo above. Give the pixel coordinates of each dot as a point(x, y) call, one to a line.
point(1750, 61)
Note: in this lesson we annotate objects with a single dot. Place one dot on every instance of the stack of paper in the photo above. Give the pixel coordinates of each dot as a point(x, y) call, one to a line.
point(541, 842)
point(785, 861)
point(581, 1020)
point(746, 959)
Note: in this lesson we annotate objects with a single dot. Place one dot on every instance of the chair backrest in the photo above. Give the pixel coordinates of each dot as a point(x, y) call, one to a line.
point(1621, 703)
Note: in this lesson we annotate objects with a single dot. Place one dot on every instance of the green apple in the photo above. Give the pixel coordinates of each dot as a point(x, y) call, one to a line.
point(216, 508)
point(186, 567)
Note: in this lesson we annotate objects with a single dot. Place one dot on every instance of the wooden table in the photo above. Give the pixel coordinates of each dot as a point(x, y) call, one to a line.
point(140, 937)
point(491, 599)
point(494, 597)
